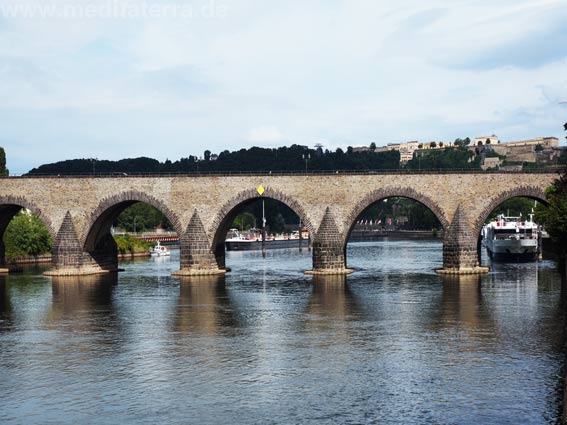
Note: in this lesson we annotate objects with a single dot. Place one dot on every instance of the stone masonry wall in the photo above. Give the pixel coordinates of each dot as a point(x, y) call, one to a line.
point(315, 197)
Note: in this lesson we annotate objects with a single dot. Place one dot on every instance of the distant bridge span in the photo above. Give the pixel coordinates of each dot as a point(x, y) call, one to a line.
point(78, 211)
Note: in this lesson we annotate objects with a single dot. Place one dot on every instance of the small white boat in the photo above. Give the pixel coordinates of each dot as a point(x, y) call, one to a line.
point(159, 251)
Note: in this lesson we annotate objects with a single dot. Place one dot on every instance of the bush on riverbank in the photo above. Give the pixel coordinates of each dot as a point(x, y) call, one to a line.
point(128, 244)
point(26, 236)
point(554, 215)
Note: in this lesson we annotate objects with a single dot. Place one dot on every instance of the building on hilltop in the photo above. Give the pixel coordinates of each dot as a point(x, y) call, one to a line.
point(539, 149)
point(490, 162)
point(486, 140)
point(406, 149)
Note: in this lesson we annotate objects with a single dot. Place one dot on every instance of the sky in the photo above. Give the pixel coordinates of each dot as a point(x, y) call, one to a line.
point(112, 79)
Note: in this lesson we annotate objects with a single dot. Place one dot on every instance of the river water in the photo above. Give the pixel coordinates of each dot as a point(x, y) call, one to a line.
point(392, 343)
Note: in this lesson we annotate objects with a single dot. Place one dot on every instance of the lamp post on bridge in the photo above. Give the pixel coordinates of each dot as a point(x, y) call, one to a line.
point(306, 157)
point(93, 160)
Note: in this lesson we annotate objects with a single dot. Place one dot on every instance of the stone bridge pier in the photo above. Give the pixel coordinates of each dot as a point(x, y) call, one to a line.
point(79, 212)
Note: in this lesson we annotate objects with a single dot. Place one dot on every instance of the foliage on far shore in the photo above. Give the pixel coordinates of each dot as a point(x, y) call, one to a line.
point(514, 207)
point(127, 244)
point(554, 215)
point(26, 236)
point(141, 217)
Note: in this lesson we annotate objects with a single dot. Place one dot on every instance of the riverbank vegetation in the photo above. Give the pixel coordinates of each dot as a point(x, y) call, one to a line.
point(141, 217)
point(515, 207)
point(404, 213)
point(127, 244)
point(554, 215)
point(26, 236)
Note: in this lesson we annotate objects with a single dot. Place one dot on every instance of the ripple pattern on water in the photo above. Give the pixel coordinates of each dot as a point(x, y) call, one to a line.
point(392, 343)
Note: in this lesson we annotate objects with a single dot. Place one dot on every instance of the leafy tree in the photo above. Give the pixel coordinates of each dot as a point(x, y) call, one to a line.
point(445, 159)
point(26, 235)
point(207, 155)
point(420, 146)
point(467, 141)
point(487, 142)
point(514, 207)
point(3, 170)
point(129, 244)
point(372, 146)
point(419, 216)
point(141, 217)
point(554, 215)
point(538, 148)
point(244, 221)
point(433, 145)
point(278, 224)
point(441, 144)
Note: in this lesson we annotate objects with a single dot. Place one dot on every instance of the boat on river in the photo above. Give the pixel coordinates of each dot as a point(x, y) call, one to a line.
point(160, 251)
point(252, 241)
point(512, 239)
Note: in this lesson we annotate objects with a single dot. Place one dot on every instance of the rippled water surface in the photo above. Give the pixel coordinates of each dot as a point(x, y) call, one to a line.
point(392, 343)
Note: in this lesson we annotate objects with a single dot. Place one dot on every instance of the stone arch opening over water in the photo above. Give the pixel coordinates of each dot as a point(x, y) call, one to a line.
point(418, 201)
point(503, 202)
point(9, 207)
point(229, 211)
point(97, 240)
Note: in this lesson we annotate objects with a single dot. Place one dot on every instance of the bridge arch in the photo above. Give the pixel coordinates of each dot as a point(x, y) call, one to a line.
point(532, 192)
point(392, 192)
point(100, 220)
point(226, 214)
point(11, 205)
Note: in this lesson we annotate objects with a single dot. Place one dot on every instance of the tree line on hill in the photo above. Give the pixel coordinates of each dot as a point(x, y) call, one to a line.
point(293, 158)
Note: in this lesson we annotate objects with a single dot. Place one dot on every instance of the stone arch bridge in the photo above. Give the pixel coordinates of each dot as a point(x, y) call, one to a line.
point(78, 211)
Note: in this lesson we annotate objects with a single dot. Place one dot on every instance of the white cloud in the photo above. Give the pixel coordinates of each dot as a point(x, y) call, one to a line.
point(342, 72)
point(268, 134)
